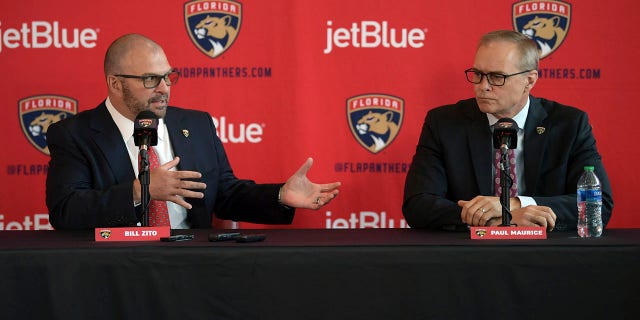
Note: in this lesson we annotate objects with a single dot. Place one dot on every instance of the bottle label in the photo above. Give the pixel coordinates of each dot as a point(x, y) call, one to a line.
point(590, 195)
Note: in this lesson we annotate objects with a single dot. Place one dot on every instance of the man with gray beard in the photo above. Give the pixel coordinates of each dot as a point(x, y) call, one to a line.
point(94, 161)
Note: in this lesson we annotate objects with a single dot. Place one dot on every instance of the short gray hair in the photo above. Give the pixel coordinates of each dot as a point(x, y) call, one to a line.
point(528, 49)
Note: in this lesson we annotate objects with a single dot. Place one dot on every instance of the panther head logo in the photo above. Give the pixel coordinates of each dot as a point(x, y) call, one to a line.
point(218, 31)
point(38, 113)
point(213, 26)
point(41, 123)
point(375, 119)
point(377, 126)
point(105, 233)
point(546, 32)
point(547, 23)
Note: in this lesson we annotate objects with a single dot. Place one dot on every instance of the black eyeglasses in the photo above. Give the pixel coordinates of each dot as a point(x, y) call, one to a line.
point(495, 79)
point(153, 80)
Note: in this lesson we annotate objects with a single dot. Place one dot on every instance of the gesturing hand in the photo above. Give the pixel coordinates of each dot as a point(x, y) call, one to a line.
point(299, 192)
point(172, 185)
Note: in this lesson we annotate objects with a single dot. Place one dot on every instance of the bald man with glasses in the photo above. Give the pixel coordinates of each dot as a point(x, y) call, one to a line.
point(451, 183)
point(92, 181)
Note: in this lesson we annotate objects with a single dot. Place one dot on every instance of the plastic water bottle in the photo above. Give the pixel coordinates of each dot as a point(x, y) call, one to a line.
point(589, 198)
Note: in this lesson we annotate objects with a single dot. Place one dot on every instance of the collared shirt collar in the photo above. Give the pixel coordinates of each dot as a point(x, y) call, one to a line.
point(520, 118)
point(125, 125)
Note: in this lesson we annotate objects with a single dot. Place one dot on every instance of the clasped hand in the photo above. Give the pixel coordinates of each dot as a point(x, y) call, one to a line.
point(487, 211)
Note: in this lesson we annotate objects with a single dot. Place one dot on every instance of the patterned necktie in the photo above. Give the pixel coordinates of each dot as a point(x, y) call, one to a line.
point(512, 165)
point(158, 212)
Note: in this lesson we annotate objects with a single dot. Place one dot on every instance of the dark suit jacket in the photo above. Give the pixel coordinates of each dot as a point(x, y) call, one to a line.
point(90, 178)
point(454, 156)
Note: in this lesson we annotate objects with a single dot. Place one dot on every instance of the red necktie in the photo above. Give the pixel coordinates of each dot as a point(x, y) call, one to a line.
point(512, 165)
point(158, 212)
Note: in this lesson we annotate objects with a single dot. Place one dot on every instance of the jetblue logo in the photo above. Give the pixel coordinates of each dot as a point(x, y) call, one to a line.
point(373, 34)
point(213, 25)
point(375, 119)
point(546, 22)
point(45, 34)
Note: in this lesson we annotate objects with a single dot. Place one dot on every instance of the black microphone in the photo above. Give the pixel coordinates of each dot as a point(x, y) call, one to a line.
point(145, 129)
point(505, 134)
point(145, 135)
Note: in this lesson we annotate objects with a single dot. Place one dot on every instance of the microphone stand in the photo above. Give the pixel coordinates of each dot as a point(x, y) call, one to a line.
point(143, 177)
point(505, 185)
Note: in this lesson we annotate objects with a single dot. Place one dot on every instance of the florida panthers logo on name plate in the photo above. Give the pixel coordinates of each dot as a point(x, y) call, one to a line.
point(546, 22)
point(375, 119)
point(105, 233)
point(37, 113)
point(213, 25)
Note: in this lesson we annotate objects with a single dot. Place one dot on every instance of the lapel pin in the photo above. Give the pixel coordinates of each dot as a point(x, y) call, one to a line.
point(185, 132)
point(540, 130)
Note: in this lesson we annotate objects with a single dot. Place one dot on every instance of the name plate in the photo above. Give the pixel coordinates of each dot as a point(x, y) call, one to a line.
point(487, 233)
point(132, 233)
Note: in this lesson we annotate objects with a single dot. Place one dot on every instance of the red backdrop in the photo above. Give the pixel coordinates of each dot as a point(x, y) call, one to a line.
point(279, 87)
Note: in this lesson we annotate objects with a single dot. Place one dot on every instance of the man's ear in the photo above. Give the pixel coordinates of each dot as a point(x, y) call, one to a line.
point(113, 83)
point(532, 78)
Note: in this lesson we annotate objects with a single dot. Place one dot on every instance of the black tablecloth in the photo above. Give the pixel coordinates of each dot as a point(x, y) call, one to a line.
point(320, 274)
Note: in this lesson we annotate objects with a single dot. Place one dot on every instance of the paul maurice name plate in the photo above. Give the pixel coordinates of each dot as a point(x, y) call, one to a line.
point(485, 233)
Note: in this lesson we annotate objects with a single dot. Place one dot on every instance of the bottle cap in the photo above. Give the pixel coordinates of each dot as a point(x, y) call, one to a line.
point(588, 168)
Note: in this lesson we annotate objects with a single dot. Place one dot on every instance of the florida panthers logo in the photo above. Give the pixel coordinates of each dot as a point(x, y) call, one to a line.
point(481, 232)
point(213, 25)
point(375, 119)
point(37, 113)
point(546, 22)
point(105, 233)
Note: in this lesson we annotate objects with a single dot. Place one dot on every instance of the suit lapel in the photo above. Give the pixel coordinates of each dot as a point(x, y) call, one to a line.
point(534, 144)
point(179, 134)
point(109, 140)
point(480, 147)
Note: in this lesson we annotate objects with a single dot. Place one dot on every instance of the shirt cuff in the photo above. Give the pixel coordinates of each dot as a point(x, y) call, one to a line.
point(282, 205)
point(527, 201)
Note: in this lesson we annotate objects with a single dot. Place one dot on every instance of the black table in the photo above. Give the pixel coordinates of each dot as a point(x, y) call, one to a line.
point(320, 274)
